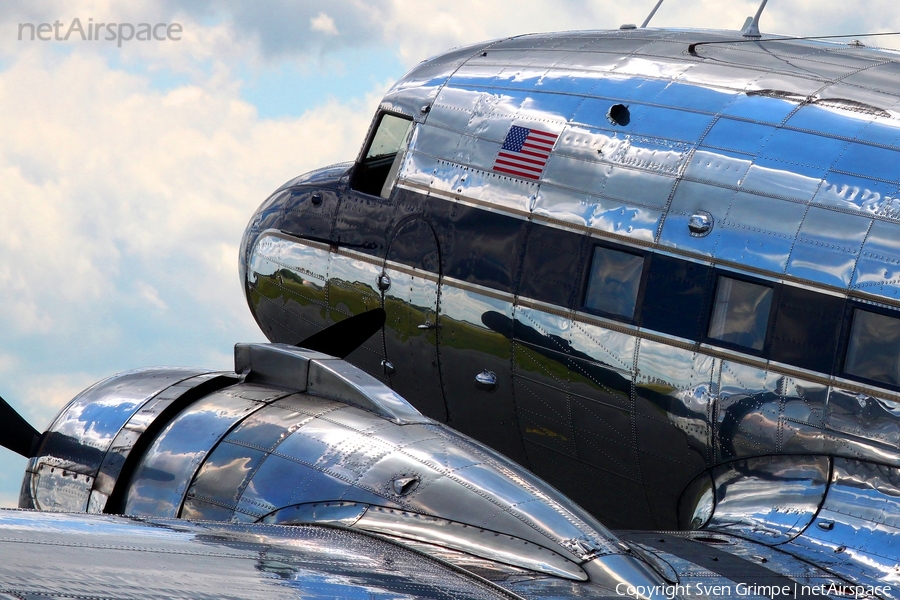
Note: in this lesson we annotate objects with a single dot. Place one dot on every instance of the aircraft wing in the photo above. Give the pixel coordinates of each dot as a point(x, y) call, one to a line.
point(52, 555)
point(65, 555)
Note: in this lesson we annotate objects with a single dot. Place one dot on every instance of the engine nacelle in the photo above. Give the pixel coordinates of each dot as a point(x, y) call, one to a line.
point(294, 436)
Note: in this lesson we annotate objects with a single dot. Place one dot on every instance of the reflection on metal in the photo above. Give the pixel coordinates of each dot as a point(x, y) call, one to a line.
point(384, 282)
point(480, 542)
point(84, 449)
point(486, 381)
point(775, 500)
point(768, 499)
point(404, 485)
point(388, 367)
point(99, 556)
point(700, 223)
point(825, 525)
point(697, 503)
point(303, 437)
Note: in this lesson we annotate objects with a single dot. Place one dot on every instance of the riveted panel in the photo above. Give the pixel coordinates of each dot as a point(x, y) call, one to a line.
point(828, 245)
point(476, 332)
point(858, 194)
point(777, 178)
point(761, 107)
point(288, 283)
point(674, 402)
point(696, 98)
point(453, 107)
point(878, 268)
point(803, 406)
point(759, 231)
point(799, 148)
point(721, 167)
point(436, 142)
point(541, 380)
point(883, 130)
point(161, 480)
point(856, 528)
point(869, 161)
point(75, 447)
point(748, 409)
point(831, 119)
point(770, 499)
point(220, 482)
point(864, 417)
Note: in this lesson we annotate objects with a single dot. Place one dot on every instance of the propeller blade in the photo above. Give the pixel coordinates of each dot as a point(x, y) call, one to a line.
point(16, 433)
point(343, 338)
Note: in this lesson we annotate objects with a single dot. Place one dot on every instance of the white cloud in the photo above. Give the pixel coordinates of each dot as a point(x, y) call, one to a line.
point(150, 295)
point(98, 171)
point(323, 23)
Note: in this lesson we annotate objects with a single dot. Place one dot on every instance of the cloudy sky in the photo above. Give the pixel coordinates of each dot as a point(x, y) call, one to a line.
point(127, 173)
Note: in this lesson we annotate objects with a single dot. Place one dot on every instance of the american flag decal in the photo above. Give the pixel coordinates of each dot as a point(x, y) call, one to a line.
point(525, 152)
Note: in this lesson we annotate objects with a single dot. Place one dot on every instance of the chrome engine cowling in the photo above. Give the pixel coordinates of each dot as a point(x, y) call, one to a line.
point(293, 436)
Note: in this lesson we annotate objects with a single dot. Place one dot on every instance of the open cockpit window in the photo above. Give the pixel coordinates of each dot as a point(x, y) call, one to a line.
point(873, 351)
point(378, 170)
point(741, 313)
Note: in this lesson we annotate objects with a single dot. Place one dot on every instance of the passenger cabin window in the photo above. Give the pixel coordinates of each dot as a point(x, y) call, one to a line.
point(873, 351)
point(740, 313)
point(377, 172)
point(613, 282)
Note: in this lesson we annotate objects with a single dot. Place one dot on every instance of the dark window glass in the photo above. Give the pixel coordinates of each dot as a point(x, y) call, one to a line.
point(677, 295)
point(613, 282)
point(741, 313)
point(807, 328)
point(874, 347)
point(376, 173)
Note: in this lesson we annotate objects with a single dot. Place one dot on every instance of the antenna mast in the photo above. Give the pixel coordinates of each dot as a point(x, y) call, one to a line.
point(652, 12)
point(751, 27)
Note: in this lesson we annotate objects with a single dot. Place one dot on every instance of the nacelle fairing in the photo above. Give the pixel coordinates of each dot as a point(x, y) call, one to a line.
point(294, 437)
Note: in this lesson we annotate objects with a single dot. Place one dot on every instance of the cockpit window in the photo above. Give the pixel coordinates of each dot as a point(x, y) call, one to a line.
point(377, 172)
point(874, 348)
point(741, 313)
point(614, 281)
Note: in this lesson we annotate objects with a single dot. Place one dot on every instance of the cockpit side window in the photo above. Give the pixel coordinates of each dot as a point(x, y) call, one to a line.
point(376, 173)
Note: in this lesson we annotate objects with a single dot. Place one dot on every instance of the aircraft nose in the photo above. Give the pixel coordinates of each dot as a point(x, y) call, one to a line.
point(304, 207)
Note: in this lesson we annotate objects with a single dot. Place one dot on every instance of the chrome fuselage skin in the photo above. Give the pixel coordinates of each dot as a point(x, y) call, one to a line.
point(766, 166)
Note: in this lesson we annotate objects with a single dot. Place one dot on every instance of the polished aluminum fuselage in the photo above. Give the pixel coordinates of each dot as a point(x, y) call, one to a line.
point(789, 149)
